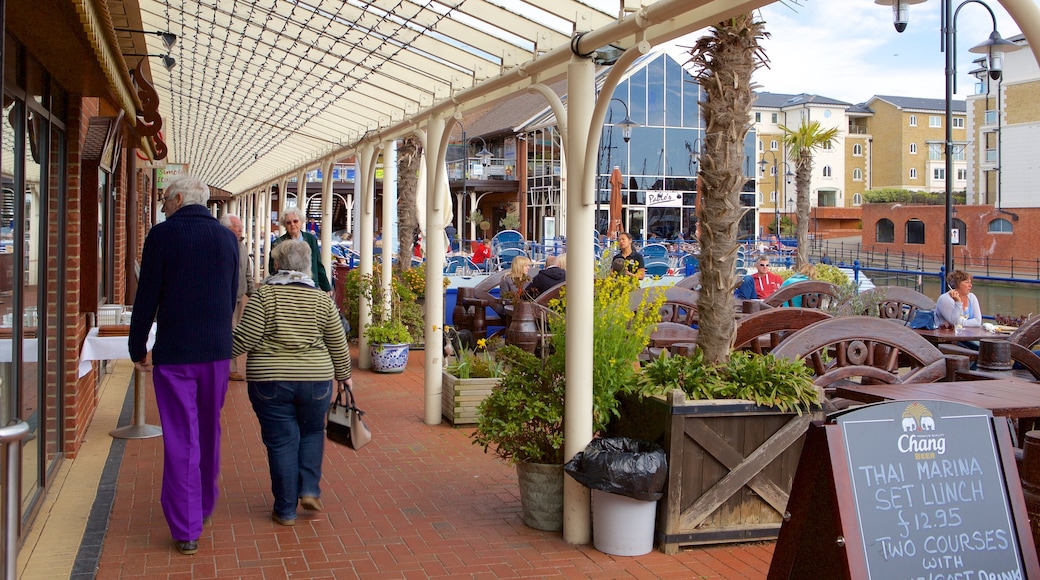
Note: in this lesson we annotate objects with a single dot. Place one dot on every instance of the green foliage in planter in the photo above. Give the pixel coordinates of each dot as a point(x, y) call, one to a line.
point(619, 335)
point(764, 379)
point(522, 418)
point(388, 332)
point(510, 222)
point(405, 306)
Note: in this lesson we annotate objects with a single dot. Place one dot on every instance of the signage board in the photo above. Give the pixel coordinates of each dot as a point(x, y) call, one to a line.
point(930, 493)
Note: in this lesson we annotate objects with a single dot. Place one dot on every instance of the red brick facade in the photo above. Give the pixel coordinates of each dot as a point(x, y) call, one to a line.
point(978, 245)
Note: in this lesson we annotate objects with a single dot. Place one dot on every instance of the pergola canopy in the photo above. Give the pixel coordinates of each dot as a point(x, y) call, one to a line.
point(263, 88)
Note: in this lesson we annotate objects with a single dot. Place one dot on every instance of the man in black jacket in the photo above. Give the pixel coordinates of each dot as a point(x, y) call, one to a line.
point(550, 276)
point(188, 287)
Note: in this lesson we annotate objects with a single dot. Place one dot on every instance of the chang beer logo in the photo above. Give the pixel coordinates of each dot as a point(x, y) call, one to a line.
point(919, 435)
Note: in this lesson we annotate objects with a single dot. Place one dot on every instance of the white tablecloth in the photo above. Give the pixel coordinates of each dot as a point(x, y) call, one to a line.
point(106, 348)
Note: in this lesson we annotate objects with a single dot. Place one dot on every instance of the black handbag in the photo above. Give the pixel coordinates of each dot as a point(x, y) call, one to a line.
point(345, 424)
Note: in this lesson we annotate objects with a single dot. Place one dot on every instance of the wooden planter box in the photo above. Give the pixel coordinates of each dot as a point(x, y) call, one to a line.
point(730, 468)
point(460, 398)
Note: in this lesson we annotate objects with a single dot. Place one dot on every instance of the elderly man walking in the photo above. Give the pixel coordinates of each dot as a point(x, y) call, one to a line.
point(188, 286)
point(246, 286)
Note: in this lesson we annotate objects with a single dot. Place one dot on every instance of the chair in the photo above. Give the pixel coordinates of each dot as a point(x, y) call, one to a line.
point(814, 294)
point(504, 257)
point(657, 269)
point(454, 264)
point(897, 302)
point(772, 326)
point(471, 306)
point(654, 252)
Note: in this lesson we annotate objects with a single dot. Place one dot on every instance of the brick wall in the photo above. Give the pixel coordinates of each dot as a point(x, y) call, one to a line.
point(978, 244)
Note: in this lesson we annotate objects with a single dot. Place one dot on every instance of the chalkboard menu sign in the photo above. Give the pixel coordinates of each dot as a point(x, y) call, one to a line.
point(930, 493)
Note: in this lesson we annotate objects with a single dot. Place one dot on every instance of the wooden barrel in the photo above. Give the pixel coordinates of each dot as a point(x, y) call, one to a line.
point(523, 328)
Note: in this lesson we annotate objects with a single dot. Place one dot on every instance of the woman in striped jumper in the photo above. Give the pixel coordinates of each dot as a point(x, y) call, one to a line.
point(296, 345)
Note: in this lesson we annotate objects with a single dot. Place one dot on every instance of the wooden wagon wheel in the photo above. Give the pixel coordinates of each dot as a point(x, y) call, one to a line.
point(864, 348)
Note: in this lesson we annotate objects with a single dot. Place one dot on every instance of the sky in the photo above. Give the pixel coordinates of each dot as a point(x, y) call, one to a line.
point(849, 50)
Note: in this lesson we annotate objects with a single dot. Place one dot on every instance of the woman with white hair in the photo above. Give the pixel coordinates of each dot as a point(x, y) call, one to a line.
point(296, 345)
point(293, 221)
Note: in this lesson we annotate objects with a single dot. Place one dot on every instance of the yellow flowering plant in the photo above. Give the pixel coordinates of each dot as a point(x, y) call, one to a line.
point(476, 363)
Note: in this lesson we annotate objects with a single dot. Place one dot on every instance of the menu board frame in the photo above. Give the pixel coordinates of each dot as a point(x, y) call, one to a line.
point(823, 532)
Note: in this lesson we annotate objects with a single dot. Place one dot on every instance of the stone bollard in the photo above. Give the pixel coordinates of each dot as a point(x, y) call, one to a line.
point(1029, 471)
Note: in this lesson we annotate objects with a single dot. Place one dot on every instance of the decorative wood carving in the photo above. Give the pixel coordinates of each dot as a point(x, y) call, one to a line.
point(149, 122)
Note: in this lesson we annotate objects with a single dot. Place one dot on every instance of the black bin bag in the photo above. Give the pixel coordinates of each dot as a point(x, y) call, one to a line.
point(622, 466)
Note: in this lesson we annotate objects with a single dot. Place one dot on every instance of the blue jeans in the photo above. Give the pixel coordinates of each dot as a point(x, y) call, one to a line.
point(292, 425)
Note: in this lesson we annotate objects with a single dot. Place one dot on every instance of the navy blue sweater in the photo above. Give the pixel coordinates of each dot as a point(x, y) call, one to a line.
point(188, 284)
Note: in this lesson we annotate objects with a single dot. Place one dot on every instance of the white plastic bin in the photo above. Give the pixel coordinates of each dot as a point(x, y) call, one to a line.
point(622, 526)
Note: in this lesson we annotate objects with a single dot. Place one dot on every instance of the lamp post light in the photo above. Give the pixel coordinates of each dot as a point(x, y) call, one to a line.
point(788, 175)
point(627, 123)
point(994, 48)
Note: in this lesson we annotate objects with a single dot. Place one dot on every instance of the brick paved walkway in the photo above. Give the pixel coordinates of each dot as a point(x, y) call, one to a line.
point(419, 502)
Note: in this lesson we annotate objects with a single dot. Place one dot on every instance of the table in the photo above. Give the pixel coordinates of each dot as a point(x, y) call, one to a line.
point(941, 335)
point(668, 333)
point(116, 348)
point(1007, 397)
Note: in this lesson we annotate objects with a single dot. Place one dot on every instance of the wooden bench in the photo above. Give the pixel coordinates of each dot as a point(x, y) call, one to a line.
point(813, 294)
point(763, 331)
point(896, 302)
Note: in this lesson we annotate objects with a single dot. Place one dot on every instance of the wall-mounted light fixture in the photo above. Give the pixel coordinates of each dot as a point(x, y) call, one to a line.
point(168, 61)
point(168, 38)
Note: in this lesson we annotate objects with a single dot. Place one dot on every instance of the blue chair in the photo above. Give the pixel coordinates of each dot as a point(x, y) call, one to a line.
point(456, 263)
point(657, 268)
point(655, 252)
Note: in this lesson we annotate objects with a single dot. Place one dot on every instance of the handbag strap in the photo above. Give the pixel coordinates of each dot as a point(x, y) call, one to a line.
point(345, 388)
point(341, 400)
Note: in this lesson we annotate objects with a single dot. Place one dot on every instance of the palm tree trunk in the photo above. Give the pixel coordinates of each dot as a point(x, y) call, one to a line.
point(408, 159)
point(803, 175)
point(724, 61)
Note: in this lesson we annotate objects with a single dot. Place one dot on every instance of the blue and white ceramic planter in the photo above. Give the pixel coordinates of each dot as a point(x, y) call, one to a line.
point(389, 358)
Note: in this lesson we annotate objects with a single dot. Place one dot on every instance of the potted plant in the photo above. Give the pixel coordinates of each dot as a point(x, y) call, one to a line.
point(510, 222)
point(468, 377)
point(389, 341)
point(741, 423)
point(521, 420)
point(388, 334)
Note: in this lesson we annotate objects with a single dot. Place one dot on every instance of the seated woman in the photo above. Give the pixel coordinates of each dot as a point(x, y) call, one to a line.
point(806, 272)
point(516, 281)
point(959, 307)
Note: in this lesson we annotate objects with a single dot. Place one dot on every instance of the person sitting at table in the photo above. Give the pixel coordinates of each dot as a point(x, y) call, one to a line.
point(959, 307)
point(766, 282)
point(482, 254)
point(515, 282)
point(553, 273)
point(805, 272)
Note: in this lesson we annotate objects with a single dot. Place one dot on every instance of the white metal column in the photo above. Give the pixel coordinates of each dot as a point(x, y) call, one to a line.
point(581, 91)
point(326, 216)
point(365, 178)
point(389, 220)
point(436, 140)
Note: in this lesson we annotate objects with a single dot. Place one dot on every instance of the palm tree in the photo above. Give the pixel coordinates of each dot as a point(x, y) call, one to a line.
point(409, 156)
point(723, 62)
point(800, 143)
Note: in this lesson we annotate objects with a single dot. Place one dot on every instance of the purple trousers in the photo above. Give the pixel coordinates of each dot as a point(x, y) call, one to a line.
point(190, 398)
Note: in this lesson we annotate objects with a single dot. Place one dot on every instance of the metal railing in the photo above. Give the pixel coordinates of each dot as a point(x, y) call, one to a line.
point(11, 513)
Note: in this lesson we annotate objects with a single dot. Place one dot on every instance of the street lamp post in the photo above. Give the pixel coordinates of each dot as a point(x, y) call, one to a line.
point(994, 47)
point(776, 185)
